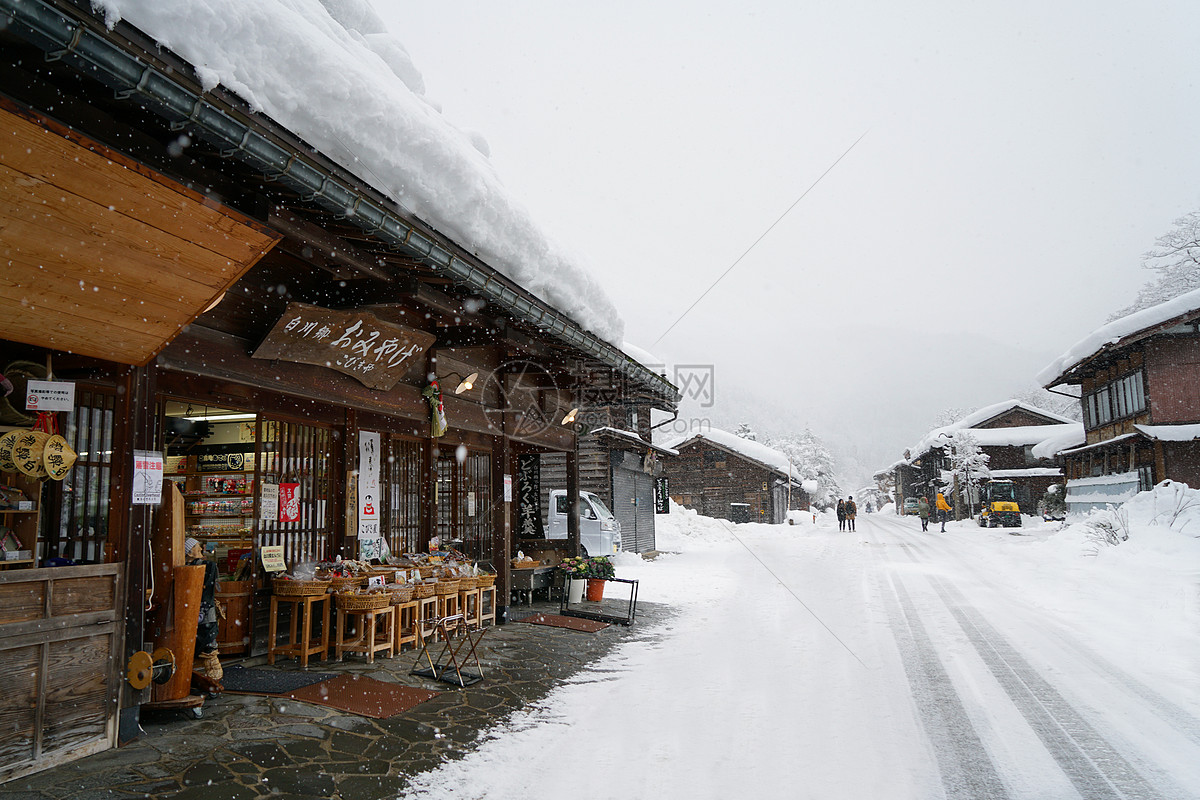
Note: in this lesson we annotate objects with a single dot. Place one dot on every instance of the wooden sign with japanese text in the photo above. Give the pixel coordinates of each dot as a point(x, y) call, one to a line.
point(359, 344)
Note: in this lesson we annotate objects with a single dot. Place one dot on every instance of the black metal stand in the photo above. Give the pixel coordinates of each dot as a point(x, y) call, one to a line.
point(568, 610)
point(459, 641)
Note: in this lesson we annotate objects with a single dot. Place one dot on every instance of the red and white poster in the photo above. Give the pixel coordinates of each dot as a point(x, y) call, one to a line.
point(289, 502)
point(368, 489)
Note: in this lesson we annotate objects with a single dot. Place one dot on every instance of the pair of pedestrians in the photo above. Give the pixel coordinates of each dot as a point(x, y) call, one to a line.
point(846, 512)
point(943, 509)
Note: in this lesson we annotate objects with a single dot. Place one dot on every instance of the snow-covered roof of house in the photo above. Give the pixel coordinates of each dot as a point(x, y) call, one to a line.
point(757, 452)
point(1107, 336)
point(1056, 443)
point(330, 72)
point(1170, 433)
point(1028, 472)
point(1020, 435)
point(644, 357)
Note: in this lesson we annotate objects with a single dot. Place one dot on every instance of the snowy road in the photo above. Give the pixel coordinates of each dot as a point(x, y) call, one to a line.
point(887, 663)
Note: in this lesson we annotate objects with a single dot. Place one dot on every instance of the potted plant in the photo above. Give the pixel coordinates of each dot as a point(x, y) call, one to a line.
point(598, 569)
point(575, 569)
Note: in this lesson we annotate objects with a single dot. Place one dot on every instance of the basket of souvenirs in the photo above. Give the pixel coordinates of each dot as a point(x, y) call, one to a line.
point(485, 580)
point(401, 592)
point(363, 601)
point(523, 563)
point(343, 582)
point(446, 586)
point(292, 587)
point(423, 590)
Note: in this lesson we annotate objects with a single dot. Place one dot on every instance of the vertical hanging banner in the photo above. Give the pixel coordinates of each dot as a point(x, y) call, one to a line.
point(368, 487)
point(289, 502)
point(662, 495)
point(529, 495)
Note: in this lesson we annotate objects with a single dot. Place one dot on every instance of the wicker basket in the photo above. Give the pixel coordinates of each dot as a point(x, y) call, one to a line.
point(401, 593)
point(348, 601)
point(422, 591)
point(427, 571)
point(351, 582)
point(528, 563)
point(485, 580)
point(446, 586)
point(299, 588)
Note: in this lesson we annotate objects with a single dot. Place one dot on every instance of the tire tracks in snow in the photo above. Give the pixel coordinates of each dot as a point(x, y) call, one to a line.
point(1094, 767)
point(964, 765)
point(1163, 707)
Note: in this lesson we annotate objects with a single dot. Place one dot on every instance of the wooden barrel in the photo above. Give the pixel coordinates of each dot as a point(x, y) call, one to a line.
point(233, 632)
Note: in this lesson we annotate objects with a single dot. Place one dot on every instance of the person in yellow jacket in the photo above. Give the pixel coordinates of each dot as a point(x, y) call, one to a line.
point(943, 509)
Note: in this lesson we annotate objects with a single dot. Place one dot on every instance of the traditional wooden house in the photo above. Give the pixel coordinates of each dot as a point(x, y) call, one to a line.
point(722, 475)
point(1139, 383)
point(1008, 433)
point(217, 299)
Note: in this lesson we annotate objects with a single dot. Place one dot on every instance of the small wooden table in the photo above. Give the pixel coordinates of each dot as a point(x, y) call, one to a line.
point(302, 609)
point(366, 641)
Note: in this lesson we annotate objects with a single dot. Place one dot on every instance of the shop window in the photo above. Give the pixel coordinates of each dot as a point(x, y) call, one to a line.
point(404, 492)
point(301, 455)
point(464, 502)
point(77, 527)
point(1145, 478)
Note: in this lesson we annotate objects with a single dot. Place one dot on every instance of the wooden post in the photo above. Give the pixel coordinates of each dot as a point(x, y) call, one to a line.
point(141, 420)
point(573, 493)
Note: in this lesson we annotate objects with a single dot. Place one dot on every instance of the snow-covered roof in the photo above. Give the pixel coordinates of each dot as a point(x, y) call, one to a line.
point(1125, 437)
point(1056, 443)
point(1016, 436)
point(635, 438)
point(644, 357)
point(1029, 472)
point(330, 72)
point(1112, 333)
point(1170, 433)
point(768, 457)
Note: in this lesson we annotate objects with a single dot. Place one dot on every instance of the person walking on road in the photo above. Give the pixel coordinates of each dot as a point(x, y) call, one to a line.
point(943, 509)
point(851, 512)
point(841, 512)
point(923, 510)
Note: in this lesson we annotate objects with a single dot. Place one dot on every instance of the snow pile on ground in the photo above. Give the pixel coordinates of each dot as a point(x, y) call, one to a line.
point(329, 71)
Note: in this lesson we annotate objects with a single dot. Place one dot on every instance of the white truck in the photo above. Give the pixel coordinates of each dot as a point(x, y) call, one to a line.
point(599, 531)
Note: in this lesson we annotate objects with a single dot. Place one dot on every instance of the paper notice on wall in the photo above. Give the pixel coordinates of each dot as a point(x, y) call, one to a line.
point(470, 504)
point(272, 558)
point(368, 486)
point(508, 488)
point(268, 503)
point(147, 477)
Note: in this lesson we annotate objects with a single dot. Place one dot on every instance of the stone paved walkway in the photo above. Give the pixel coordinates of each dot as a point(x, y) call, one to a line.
point(251, 746)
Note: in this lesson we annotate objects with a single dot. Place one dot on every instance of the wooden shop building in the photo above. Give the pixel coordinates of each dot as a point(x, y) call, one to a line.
point(247, 317)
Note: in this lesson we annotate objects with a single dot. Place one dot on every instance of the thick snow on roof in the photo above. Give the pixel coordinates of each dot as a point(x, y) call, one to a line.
point(767, 456)
point(1028, 472)
point(644, 357)
point(637, 439)
point(1055, 443)
point(1171, 433)
point(1024, 435)
point(1116, 330)
point(329, 71)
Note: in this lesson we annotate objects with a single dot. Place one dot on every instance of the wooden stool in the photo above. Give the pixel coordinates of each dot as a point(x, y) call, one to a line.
point(407, 627)
point(487, 605)
point(468, 605)
point(447, 605)
point(366, 641)
point(427, 615)
point(302, 609)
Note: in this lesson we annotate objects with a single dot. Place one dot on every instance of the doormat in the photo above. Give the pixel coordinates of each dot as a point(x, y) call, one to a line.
point(247, 680)
point(364, 696)
point(559, 621)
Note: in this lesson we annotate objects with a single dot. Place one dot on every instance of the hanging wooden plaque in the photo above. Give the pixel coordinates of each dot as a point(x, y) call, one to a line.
point(355, 343)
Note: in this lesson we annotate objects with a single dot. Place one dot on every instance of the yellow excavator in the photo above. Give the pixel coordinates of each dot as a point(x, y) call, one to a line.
point(999, 505)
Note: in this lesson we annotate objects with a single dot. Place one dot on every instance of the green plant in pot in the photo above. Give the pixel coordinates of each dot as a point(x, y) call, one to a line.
point(598, 569)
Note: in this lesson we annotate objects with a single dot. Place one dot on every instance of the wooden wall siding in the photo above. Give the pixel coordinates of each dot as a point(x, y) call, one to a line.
point(1181, 462)
point(719, 478)
point(1018, 418)
point(103, 257)
point(1173, 380)
point(60, 641)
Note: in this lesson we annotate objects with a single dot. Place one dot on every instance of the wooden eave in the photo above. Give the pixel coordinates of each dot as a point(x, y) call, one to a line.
point(1112, 350)
point(105, 257)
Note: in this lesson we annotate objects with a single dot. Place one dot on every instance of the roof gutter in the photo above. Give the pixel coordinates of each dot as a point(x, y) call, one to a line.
point(68, 39)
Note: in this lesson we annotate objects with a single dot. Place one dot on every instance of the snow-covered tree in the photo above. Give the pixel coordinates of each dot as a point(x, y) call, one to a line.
point(950, 415)
point(968, 466)
point(813, 462)
point(1176, 259)
point(746, 432)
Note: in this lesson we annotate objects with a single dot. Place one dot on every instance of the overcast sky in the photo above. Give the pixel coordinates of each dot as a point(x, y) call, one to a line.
point(1017, 160)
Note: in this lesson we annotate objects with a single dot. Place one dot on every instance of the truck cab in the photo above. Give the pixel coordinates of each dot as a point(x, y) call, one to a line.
point(599, 531)
point(999, 505)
